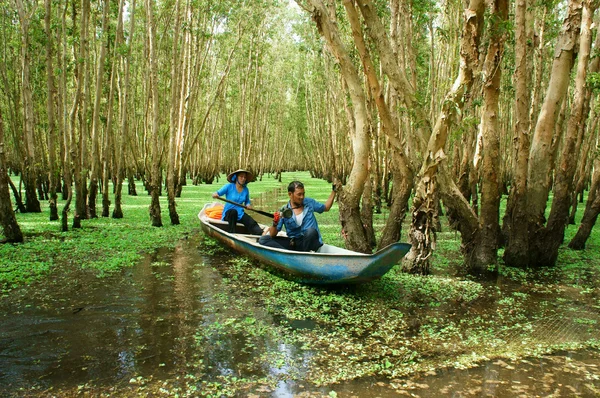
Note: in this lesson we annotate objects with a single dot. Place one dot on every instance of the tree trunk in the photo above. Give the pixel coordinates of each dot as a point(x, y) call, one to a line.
point(53, 171)
point(485, 252)
point(32, 203)
point(540, 157)
point(367, 213)
point(515, 207)
point(403, 174)
point(425, 201)
point(402, 180)
point(590, 215)
point(349, 197)
point(176, 77)
point(78, 113)
point(545, 250)
point(583, 173)
point(95, 135)
point(120, 139)
point(131, 189)
point(8, 221)
point(66, 125)
point(155, 179)
point(396, 74)
point(108, 152)
point(18, 198)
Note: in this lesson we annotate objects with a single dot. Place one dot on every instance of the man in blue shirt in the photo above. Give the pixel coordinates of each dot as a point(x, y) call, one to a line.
point(298, 217)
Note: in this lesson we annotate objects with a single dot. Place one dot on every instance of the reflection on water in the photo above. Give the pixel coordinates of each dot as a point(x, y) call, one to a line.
point(566, 375)
point(161, 320)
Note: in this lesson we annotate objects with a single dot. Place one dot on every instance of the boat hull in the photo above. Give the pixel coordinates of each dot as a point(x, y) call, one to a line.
point(330, 265)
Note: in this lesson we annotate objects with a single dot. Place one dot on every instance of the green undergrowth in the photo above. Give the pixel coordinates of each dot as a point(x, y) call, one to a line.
point(103, 245)
point(404, 323)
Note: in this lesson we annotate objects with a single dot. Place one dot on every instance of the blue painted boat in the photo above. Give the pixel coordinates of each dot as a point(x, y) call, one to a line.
point(329, 265)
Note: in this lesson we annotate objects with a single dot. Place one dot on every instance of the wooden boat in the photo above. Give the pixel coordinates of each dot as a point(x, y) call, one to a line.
point(329, 265)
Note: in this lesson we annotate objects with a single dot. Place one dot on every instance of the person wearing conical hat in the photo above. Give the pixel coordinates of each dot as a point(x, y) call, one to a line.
point(237, 191)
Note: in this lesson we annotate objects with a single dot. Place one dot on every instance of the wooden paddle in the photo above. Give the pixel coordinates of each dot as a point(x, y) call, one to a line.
point(264, 213)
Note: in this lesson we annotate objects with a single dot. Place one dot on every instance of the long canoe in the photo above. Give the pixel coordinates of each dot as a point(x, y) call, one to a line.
point(329, 265)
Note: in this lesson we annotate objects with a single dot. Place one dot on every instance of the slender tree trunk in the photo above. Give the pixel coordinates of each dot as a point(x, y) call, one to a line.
point(592, 209)
point(396, 73)
point(367, 212)
point(540, 157)
point(155, 179)
point(186, 152)
point(108, 152)
point(53, 171)
point(18, 198)
point(546, 245)
point(403, 177)
point(515, 207)
point(95, 136)
point(538, 68)
point(583, 173)
point(425, 201)
point(484, 253)
point(8, 221)
point(79, 113)
point(67, 123)
point(32, 203)
point(120, 139)
point(176, 76)
point(350, 195)
point(403, 183)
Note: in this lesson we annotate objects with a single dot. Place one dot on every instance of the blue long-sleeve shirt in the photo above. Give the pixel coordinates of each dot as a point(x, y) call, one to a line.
point(231, 193)
point(309, 220)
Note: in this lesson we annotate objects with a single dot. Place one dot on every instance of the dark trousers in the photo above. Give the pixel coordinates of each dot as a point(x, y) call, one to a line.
point(308, 242)
point(251, 225)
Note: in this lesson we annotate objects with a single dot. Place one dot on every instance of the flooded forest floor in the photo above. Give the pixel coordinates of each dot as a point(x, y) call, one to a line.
point(194, 319)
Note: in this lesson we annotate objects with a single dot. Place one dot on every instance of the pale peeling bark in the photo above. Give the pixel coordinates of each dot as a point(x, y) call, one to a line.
point(540, 156)
point(528, 220)
point(350, 195)
point(425, 202)
point(155, 179)
point(539, 66)
point(515, 207)
point(124, 94)
point(484, 252)
point(397, 76)
point(95, 135)
point(53, 171)
point(77, 147)
point(176, 75)
point(584, 168)
point(67, 127)
point(32, 203)
point(403, 175)
point(545, 250)
point(81, 140)
point(108, 145)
